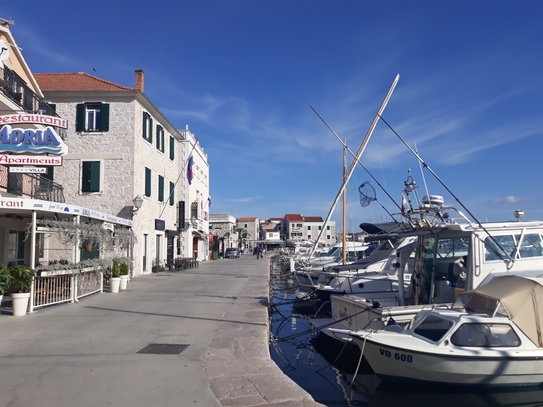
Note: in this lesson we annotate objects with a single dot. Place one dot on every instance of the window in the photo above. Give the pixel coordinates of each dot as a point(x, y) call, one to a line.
point(161, 188)
point(493, 335)
point(92, 117)
point(328, 227)
point(530, 246)
point(433, 328)
point(15, 183)
point(16, 247)
point(90, 176)
point(147, 127)
point(172, 148)
point(172, 187)
point(452, 248)
point(160, 138)
point(320, 227)
point(147, 182)
point(309, 228)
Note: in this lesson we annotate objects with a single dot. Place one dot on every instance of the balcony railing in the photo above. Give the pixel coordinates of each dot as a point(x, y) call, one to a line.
point(16, 89)
point(33, 186)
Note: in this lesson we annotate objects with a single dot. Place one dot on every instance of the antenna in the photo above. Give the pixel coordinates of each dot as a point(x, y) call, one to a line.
point(422, 172)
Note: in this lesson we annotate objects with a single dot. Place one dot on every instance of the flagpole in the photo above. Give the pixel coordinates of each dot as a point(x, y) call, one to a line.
point(178, 178)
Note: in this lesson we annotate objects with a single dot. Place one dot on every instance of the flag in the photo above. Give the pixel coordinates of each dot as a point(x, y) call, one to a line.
point(405, 206)
point(209, 201)
point(190, 174)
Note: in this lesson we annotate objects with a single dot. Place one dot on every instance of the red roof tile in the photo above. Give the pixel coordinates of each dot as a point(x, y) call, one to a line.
point(291, 217)
point(75, 81)
point(246, 219)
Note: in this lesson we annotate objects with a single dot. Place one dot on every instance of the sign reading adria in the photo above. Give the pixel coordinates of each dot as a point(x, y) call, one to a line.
point(37, 141)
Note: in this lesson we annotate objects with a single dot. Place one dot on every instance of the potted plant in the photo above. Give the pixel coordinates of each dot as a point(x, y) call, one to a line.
point(5, 278)
point(115, 280)
point(20, 285)
point(124, 275)
point(86, 245)
point(157, 265)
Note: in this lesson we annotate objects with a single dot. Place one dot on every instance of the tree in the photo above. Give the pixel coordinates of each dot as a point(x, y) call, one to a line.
point(242, 237)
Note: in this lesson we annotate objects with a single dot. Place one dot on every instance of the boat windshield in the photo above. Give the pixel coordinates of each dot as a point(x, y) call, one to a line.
point(480, 304)
point(487, 335)
point(433, 327)
point(331, 253)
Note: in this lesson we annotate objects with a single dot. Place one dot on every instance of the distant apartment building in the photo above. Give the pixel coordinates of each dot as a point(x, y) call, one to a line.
point(222, 233)
point(299, 227)
point(252, 226)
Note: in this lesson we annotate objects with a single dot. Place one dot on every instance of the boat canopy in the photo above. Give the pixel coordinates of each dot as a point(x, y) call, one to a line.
point(520, 298)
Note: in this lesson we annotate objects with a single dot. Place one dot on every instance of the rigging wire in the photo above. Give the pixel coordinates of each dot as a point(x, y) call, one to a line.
point(363, 166)
point(447, 188)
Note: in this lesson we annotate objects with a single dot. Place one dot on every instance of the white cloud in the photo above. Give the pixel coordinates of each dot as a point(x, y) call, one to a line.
point(511, 199)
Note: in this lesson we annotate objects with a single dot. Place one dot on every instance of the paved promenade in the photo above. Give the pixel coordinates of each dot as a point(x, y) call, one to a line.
point(86, 354)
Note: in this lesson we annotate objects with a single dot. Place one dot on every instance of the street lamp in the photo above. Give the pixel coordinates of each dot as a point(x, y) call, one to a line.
point(137, 202)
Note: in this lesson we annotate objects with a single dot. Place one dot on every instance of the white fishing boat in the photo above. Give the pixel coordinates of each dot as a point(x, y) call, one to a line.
point(490, 336)
point(446, 254)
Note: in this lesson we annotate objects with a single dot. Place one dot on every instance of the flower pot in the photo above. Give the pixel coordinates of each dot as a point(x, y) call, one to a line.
point(88, 248)
point(114, 284)
point(19, 303)
point(124, 282)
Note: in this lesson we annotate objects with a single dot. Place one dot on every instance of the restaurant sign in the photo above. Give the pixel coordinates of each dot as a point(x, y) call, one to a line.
point(29, 140)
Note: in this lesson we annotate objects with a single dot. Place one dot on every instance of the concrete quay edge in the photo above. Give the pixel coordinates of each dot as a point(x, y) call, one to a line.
point(237, 360)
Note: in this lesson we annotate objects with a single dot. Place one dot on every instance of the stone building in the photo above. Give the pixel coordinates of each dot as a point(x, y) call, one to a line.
point(222, 233)
point(28, 195)
point(252, 226)
point(297, 227)
point(122, 150)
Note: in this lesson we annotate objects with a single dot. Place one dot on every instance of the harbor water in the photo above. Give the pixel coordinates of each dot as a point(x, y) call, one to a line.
point(335, 374)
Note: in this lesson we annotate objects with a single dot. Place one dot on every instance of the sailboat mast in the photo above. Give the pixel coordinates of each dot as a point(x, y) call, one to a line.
point(357, 157)
point(344, 217)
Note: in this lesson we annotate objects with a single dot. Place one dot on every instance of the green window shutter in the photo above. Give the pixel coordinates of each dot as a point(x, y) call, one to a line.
point(145, 118)
point(50, 172)
point(90, 181)
point(161, 188)
point(147, 182)
point(158, 128)
point(172, 148)
point(104, 117)
point(53, 106)
point(150, 135)
point(80, 117)
point(172, 187)
point(162, 139)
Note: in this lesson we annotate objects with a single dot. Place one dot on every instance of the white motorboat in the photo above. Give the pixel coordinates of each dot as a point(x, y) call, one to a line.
point(491, 336)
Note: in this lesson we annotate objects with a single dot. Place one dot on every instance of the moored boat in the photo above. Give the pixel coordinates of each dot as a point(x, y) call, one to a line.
point(491, 336)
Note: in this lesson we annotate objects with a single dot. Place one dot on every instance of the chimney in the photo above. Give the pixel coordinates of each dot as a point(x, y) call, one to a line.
point(140, 79)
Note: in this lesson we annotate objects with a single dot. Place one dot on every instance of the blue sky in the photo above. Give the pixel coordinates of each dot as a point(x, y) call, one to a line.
point(241, 74)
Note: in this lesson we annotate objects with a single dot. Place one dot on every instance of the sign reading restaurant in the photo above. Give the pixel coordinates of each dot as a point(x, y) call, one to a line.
point(31, 140)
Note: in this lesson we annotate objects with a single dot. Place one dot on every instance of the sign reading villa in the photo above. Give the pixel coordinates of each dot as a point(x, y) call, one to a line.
point(34, 141)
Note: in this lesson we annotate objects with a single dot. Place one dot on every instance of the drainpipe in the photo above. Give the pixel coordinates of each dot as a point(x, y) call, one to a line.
point(32, 258)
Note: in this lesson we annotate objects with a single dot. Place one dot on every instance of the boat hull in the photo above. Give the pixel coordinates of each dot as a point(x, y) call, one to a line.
point(502, 369)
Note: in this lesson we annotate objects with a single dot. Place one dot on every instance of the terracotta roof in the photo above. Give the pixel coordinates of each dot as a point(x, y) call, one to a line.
point(246, 219)
point(75, 81)
point(294, 217)
point(313, 219)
